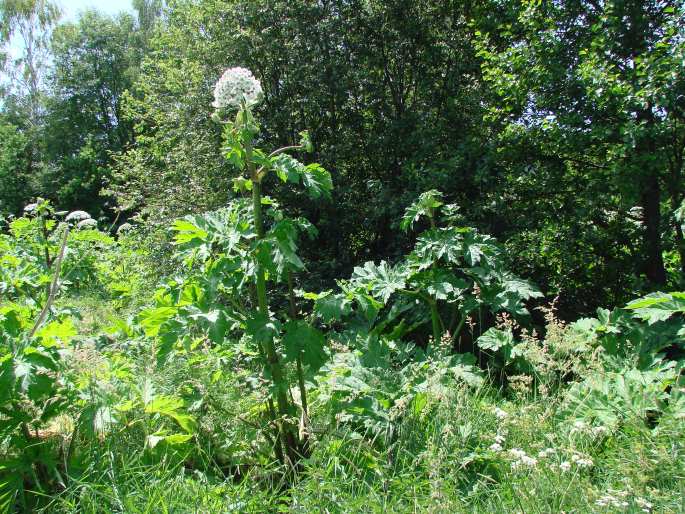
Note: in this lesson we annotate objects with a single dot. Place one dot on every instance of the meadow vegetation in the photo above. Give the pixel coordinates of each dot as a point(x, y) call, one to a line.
point(236, 314)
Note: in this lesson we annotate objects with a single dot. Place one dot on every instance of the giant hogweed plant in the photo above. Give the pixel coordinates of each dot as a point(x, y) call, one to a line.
point(37, 255)
point(641, 347)
point(241, 262)
point(453, 274)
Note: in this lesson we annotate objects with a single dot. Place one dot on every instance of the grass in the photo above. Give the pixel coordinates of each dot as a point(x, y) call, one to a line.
point(440, 461)
point(467, 450)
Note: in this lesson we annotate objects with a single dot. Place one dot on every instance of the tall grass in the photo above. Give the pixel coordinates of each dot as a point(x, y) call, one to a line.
point(442, 460)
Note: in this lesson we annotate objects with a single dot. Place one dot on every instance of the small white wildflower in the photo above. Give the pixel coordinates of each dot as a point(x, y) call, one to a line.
point(496, 447)
point(609, 500)
point(87, 223)
point(517, 453)
point(641, 502)
point(599, 431)
point(579, 426)
point(500, 438)
point(30, 207)
point(565, 466)
point(501, 414)
point(529, 461)
point(584, 463)
point(77, 216)
point(125, 227)
point(235, 87)
point(547, 452)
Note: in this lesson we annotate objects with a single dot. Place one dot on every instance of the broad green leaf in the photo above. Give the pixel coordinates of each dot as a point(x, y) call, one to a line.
point(443, 285)
point(658, 306)
point(382, 280)
point(187, 232)
point(284, 235)
point(57, 332)
point(494, 339)
point(262, 328)
point(10, 322)
point(171, 407)
point(436, 244)
point(317, 180)
point(425, 205)
point(175, 439)
point(152, 319)
point(333, 307)
point(288, 168)
point(522, 288)
point(463, 367)
point(304, 341)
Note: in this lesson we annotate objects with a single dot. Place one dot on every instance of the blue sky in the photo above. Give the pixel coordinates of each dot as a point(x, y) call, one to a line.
point(71, 8)
point(70, 11)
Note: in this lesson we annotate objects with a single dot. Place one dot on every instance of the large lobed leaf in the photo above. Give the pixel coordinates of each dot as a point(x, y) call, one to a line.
point(657, 306)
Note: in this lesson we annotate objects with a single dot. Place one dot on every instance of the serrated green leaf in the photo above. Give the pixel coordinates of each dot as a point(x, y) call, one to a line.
point(306, 342)
point(171, 407)
point(333, 307)
point(261, 327)
point(425, 205)
point(494, 339)
point(658, 306)
point(152, 319)
point(382, 280)
point(317, 180)
point(187, 232)
point(57, 332)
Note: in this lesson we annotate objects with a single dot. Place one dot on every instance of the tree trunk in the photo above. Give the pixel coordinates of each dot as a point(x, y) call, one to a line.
point(651, 205)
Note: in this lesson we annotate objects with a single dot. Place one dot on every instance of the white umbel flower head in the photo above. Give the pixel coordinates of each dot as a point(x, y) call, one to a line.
point(235, 87)
point(77, 216)
point(124, 228)
point(87, 223)
point(496, 447)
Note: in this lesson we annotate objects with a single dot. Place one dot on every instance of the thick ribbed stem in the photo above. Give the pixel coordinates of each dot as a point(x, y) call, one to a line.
point(273, 362)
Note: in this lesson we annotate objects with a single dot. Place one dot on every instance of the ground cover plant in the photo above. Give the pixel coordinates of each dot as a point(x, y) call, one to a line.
point(235, 290)
point(418, 385)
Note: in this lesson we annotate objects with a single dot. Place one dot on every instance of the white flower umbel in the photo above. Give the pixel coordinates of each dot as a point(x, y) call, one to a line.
point(124, 228)
point(237, 86)
point(87, 223)
point(500, 414)
point(547, 452)
point(496, 447)
point(77, 216)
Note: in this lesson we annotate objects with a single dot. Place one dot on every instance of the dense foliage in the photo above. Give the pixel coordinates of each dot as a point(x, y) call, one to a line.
point(342, 256)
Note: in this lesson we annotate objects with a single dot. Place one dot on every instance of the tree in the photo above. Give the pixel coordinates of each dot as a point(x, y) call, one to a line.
point(29, 24)
point(25, 30)
point(94, 64)
point(585, 105)
point(389, 89)
point(14, 155)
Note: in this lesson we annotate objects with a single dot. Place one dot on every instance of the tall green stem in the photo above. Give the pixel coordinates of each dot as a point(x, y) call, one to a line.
point(273, 362)
point(300, 373)
point(437, 322)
